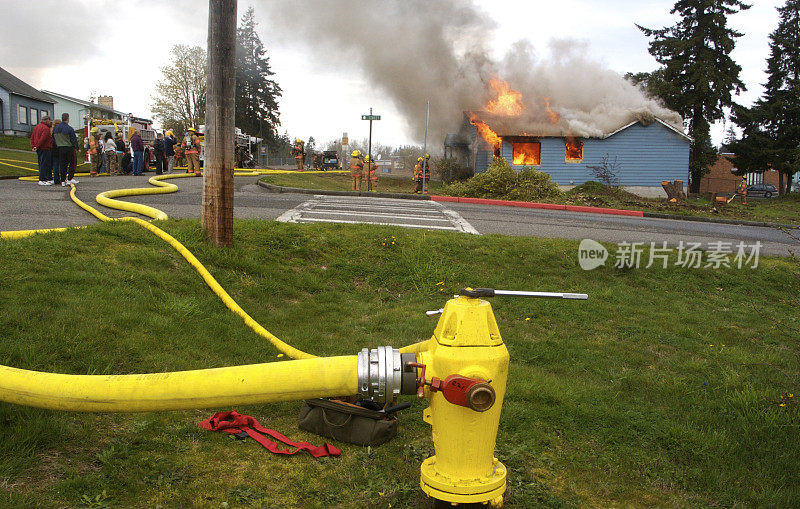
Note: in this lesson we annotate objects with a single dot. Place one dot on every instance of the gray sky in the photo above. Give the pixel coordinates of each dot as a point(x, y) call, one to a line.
point(116, 48)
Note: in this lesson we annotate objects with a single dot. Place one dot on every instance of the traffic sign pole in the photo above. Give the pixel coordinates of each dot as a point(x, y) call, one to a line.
point(425, 163)
point(370, 117)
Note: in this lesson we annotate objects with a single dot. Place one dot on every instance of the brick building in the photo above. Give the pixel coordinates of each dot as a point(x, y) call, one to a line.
point(722, 180)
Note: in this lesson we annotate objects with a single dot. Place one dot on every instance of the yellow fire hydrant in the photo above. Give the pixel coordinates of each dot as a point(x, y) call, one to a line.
point(464, 410)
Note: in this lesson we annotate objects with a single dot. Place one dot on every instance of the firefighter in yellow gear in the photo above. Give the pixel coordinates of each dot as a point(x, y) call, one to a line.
point(418, 176)
point(356, 169)
point(371, 173)
point(92, 148)
point(299, 153)
point(191, 150)
point(743, 190)
point(426, 172)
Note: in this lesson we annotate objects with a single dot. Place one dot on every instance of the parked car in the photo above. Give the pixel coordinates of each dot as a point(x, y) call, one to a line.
point(795, 187)
point(762, 191)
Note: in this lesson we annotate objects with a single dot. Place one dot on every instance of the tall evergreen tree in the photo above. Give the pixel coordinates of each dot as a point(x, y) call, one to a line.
point(256, 93)
point(771, 128)
point(695, 53)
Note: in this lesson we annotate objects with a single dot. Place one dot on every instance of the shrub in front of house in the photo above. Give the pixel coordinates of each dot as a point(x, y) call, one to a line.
point(500, 182)
point(451, 170)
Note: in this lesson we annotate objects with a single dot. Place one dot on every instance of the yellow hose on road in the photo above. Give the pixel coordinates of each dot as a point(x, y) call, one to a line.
point(180, 390)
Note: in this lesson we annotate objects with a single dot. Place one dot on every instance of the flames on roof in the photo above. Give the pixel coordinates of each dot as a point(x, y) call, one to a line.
point(508, 113)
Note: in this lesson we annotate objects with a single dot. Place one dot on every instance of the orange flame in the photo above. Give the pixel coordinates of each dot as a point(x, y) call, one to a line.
point(552, 116)
point(487, 134)
point(574, 149)
point(508, 102)
point(527, 154)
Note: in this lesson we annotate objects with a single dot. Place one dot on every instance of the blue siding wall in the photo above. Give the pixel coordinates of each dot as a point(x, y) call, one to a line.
point(5, 117)
point(16, 101)
point(646, 156)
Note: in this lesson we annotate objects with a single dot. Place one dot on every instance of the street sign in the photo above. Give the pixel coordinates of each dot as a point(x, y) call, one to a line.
point(370, 117)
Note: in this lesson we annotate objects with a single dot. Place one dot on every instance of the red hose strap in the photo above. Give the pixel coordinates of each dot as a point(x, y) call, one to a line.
point(234, 422)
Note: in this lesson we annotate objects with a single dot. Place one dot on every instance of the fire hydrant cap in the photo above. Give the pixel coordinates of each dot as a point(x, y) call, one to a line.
point(467, 322)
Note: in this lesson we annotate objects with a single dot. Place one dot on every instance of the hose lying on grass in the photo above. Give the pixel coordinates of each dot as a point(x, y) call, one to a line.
point(306, 377)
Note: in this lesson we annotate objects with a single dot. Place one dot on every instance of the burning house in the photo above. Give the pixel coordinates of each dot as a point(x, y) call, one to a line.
point(644, 148)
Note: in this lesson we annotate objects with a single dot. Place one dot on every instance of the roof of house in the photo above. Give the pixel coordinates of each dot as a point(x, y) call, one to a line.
point(82, 102)
point(16, 86)
point(528, 125)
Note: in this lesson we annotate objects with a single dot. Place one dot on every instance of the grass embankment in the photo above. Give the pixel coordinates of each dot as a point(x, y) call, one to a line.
point(664, 389)
point(785, 209)
point(15, 142)
point(343, 182)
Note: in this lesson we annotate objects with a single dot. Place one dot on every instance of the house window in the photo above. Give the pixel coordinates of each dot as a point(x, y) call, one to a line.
point(754, 178)
point(573, 149)
point(22, 114)
point(527, 153)
point(34, 116)
point(44, 114)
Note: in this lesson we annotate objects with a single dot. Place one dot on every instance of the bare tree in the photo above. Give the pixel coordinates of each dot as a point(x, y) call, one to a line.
point(607, 172)
point(180, 100)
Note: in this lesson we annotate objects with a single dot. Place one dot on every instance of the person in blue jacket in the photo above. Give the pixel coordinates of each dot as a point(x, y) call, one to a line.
point(66, 144)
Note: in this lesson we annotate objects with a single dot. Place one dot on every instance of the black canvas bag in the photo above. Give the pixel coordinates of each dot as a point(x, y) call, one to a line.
point(347, 423)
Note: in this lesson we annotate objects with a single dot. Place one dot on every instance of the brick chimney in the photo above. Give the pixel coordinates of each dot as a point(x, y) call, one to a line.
point(106, 100)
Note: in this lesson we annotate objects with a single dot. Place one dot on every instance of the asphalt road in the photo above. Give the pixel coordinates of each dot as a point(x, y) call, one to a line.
point(25, 205)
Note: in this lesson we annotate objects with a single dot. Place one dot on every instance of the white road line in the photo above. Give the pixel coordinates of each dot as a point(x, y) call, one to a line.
point(403, 211)
point(456, 219)
point(425, 226)
point(401, 217)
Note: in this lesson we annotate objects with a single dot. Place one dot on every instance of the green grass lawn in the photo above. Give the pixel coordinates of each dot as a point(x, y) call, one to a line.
point(343, 182)
point(16, 142)
point(10, 162)
point(663, 389)
point(785, 209)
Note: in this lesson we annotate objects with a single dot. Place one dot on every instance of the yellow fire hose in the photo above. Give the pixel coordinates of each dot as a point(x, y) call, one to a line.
point(181, 390)
point(308, 376)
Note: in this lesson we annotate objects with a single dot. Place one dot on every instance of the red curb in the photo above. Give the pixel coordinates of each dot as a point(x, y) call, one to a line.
point(534, 205)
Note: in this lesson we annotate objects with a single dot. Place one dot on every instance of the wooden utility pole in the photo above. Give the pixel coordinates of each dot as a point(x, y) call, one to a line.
point(220, 135)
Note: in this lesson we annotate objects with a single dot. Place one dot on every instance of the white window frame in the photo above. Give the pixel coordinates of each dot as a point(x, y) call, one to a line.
point(22, 118)
point(567, 160)
point(34, 116)
point(755, 178)
point(43, 113)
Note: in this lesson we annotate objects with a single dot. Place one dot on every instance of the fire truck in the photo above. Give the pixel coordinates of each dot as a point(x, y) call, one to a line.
point(244, 143)
point(125, 126)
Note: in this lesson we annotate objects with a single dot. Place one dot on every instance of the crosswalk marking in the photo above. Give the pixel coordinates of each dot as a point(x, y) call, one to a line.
point(383, 211)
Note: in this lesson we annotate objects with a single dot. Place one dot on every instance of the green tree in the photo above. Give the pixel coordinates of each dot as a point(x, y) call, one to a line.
point(771, 127)
point(180, 100)
point(702, 76)
point(256, 93)
point(653, 83)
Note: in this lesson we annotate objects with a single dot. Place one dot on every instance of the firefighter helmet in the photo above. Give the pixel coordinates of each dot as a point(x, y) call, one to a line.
point(419, 159)
point(366, 159)
point(192, 130)
point(355, 153)
point(169, 133)
point(94, 130)
point(298, 140)
point(427, 156)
